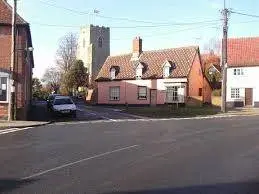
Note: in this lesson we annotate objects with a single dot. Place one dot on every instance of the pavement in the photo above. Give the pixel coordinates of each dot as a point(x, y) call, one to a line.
point(206, 155)
point(243, 111)
point(20, 124)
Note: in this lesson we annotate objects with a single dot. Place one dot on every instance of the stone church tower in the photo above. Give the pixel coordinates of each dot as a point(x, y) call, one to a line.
point(93, 48)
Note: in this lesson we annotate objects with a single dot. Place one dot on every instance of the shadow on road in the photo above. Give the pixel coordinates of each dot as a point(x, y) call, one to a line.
point(221, 188)
point(11, 184)
point(85, 112)
point(39, 112)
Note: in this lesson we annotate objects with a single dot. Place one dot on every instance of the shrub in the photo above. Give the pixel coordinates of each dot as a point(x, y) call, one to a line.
point(216, 92)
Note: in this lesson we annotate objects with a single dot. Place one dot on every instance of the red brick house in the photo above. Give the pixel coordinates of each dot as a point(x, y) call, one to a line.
point(153, 77)
point(24, 63)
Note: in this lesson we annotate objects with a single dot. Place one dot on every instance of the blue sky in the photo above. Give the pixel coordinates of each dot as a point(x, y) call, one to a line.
point(163, 14)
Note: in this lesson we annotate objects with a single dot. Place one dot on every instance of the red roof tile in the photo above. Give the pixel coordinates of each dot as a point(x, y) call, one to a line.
point(243, 52)
point(6, 14)
point(153, 61)
point(209, 59)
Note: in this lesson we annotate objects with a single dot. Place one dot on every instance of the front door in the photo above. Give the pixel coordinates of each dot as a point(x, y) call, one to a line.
point(248, 96)
point(153, 97)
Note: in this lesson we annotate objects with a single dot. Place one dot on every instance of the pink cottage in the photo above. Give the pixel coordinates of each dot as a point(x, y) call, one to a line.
point(153, 77)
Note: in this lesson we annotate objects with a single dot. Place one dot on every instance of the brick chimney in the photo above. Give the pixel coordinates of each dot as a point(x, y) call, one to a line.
point(137, 45)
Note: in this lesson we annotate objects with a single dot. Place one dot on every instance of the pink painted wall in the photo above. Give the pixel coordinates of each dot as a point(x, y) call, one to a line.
point(161, 96)
point(128, 92)
point(104, 94)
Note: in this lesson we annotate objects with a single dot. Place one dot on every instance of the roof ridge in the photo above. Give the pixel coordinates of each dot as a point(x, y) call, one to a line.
point(247, 37)
point(120, 55)
point(168, 49)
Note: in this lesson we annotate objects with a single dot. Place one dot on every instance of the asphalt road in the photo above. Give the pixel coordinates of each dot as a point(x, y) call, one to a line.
point(215, 156)
point(84, 113)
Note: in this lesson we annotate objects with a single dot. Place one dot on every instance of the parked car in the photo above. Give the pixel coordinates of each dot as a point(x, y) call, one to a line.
point(63, 105)
point(51, 99)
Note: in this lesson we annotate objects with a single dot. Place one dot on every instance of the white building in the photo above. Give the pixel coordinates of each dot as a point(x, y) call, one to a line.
point(93, 47)
point(243, 72)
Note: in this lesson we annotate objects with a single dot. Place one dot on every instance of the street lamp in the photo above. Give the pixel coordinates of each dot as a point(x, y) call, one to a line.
point(30, 49)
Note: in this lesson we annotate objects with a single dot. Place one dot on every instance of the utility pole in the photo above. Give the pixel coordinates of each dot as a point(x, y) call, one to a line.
point(11, 105)
point(225, 13)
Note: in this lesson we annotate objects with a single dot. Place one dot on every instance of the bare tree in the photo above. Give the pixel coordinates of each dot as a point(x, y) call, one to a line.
point(213, 46)
point(66, 53)
point(52, 77)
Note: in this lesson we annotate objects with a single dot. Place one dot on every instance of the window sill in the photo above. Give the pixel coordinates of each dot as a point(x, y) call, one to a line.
point(142, 98)
point(4, 102)
point(114, 100)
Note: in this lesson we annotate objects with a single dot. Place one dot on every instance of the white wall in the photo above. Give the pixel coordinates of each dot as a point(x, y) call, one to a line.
point(162, 83)
point(250, 79)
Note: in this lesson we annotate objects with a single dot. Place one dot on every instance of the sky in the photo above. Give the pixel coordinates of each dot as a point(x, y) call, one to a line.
point(161, 24)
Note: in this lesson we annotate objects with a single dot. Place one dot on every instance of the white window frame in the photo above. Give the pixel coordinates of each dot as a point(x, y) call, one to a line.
point(113, 73)
point(5, 75)
point(114, 93)
point(238, 71)
point(166, 71)
point(139, 71)
point(178, 93)
point(142, 92)
point(235, 93)
point(174, 93)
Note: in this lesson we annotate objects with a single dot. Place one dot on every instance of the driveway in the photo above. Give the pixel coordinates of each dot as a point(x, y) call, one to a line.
point(184, 156)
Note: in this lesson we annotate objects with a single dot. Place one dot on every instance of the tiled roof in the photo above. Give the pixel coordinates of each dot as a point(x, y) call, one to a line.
point(209, 59)
point(6, 14)
point(243, 52)
point(153, 62)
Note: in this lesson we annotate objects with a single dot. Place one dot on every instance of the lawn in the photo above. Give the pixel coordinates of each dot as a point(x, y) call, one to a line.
point(170, 111)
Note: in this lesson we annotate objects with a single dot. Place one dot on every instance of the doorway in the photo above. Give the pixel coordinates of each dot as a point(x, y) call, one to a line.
point(248, 96)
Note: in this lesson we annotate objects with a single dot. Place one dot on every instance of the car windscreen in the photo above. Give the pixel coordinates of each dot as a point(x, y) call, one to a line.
point(63, 101)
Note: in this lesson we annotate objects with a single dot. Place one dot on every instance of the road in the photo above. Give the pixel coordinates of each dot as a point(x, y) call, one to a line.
point(214, 156)
point(84, 113)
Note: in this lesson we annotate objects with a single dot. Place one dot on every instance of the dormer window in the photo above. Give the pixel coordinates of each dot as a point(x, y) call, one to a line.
point(166, 72)
point(112, 73)
point(139, 71)
point(167, 69)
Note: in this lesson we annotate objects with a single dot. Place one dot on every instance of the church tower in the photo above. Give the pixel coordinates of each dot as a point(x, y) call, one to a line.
point(93, 48)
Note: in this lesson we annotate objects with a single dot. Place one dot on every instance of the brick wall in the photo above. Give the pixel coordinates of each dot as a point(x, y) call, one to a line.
point(22, 70)
point(207, 91)
point(198, 88)
point(5, 48)
point(3, 111)
point(195, 78)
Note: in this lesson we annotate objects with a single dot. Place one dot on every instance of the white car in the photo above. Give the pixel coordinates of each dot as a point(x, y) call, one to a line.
point(64, 105)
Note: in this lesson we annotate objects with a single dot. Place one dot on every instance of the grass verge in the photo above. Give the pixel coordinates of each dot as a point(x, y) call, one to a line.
point(171, 111)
